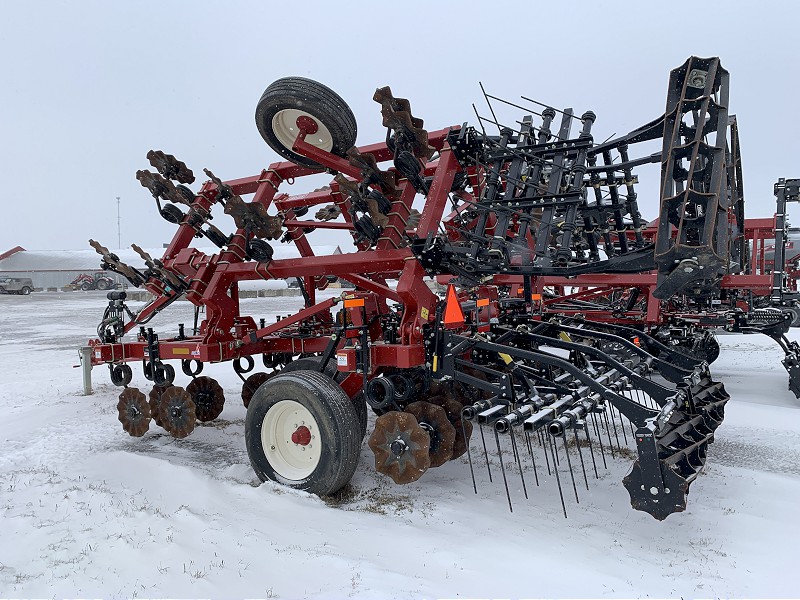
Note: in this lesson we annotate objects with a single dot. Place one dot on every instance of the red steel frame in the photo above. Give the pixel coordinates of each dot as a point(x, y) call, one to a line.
point(225, 334)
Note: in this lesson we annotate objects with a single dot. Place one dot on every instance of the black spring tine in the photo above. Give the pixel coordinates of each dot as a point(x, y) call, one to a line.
point(557, 459)
point(622, 427)
point(519, 462)
point(558, 479)
point(533, 460)
point(580, 454)
point(591, 449)
point(614, 424)
point(569, 464)
point(546, 458)
point(503, 469)
point(647, 400)
point(600, 439)
point(469, 455)
point(514, 453)
point(638, 397)
point(603, 415)
point(485, 453)
point(633, 431)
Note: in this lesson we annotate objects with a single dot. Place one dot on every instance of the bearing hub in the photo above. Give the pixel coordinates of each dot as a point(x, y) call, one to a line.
point(302, 436)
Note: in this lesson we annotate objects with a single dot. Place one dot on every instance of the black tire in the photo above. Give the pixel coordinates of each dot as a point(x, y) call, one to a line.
point(711, 349)
point(25, 291)
point(334, 422)
point(795, 312)
point(311, 363)
point(121, 375)
point(163, 373)
point(102, 284)
point(315, 99)
point(86, 286)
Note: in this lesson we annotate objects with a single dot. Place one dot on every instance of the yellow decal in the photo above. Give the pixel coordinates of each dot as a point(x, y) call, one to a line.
point(563, 335)
point(506, 358)
point(180, 351)
point(435, 363)
point(424, 313)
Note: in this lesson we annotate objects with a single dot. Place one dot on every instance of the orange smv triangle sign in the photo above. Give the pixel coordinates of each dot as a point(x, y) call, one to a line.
point(453, 315)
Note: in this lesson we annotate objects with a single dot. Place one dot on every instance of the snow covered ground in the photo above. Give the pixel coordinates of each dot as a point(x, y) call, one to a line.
point(86, 510)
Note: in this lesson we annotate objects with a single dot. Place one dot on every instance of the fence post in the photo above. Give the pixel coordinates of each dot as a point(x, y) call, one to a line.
point(86, 368)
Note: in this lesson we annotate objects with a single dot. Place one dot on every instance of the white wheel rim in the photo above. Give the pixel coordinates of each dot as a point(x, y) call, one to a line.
point(292, 461)
point(284, 126)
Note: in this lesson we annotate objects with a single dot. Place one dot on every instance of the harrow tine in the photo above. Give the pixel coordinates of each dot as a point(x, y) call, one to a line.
point(600, 439)
point(580, 454)
point(558, 479)
point(569, 464)
point(514, 454)
point(469, 456)
point(556, 459)
point(610, 417)
point(546, 458)
point(533, 460)
point(591, 449)
point(630, 395)
point(519, 462)
point(622, 427)
point(604, 415)
point(503, 469)
point(485, 453)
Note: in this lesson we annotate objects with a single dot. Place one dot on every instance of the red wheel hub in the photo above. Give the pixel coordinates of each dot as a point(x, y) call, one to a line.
point(302, 436)
point(307, 125)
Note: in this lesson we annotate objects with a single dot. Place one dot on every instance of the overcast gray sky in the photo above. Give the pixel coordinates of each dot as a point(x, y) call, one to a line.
point(89, 87)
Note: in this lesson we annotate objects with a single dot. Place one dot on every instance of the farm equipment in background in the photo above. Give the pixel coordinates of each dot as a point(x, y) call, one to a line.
point(509, 222)
point(21, 286)
point(95, 281)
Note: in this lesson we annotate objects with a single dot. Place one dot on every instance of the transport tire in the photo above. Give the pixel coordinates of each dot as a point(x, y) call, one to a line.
point(301, 430)
point(291, 97)
point(311, 363)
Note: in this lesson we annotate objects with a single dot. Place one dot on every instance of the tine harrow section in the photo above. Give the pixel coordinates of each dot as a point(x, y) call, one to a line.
point(572, 331)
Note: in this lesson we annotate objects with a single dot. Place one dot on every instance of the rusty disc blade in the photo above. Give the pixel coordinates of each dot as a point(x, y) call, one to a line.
point(208, 398)
point(441, 431)
point(134, 412)
point(463, 427)
point(251, 384)
point(155, 402)
point(177, 412)
point(401, 447)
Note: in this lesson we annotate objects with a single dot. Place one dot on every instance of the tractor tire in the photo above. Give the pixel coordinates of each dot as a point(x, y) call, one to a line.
point(102, 284)
point(311, 363)
point(291, 97)
point(25, 291)
point(301, 431)
point(86, 286)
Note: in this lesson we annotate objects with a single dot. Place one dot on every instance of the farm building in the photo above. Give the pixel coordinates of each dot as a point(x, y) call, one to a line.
point(53, 269)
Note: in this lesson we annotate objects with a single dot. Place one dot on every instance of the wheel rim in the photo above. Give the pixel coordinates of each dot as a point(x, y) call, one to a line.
point(291, 441)
point(284, 127)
